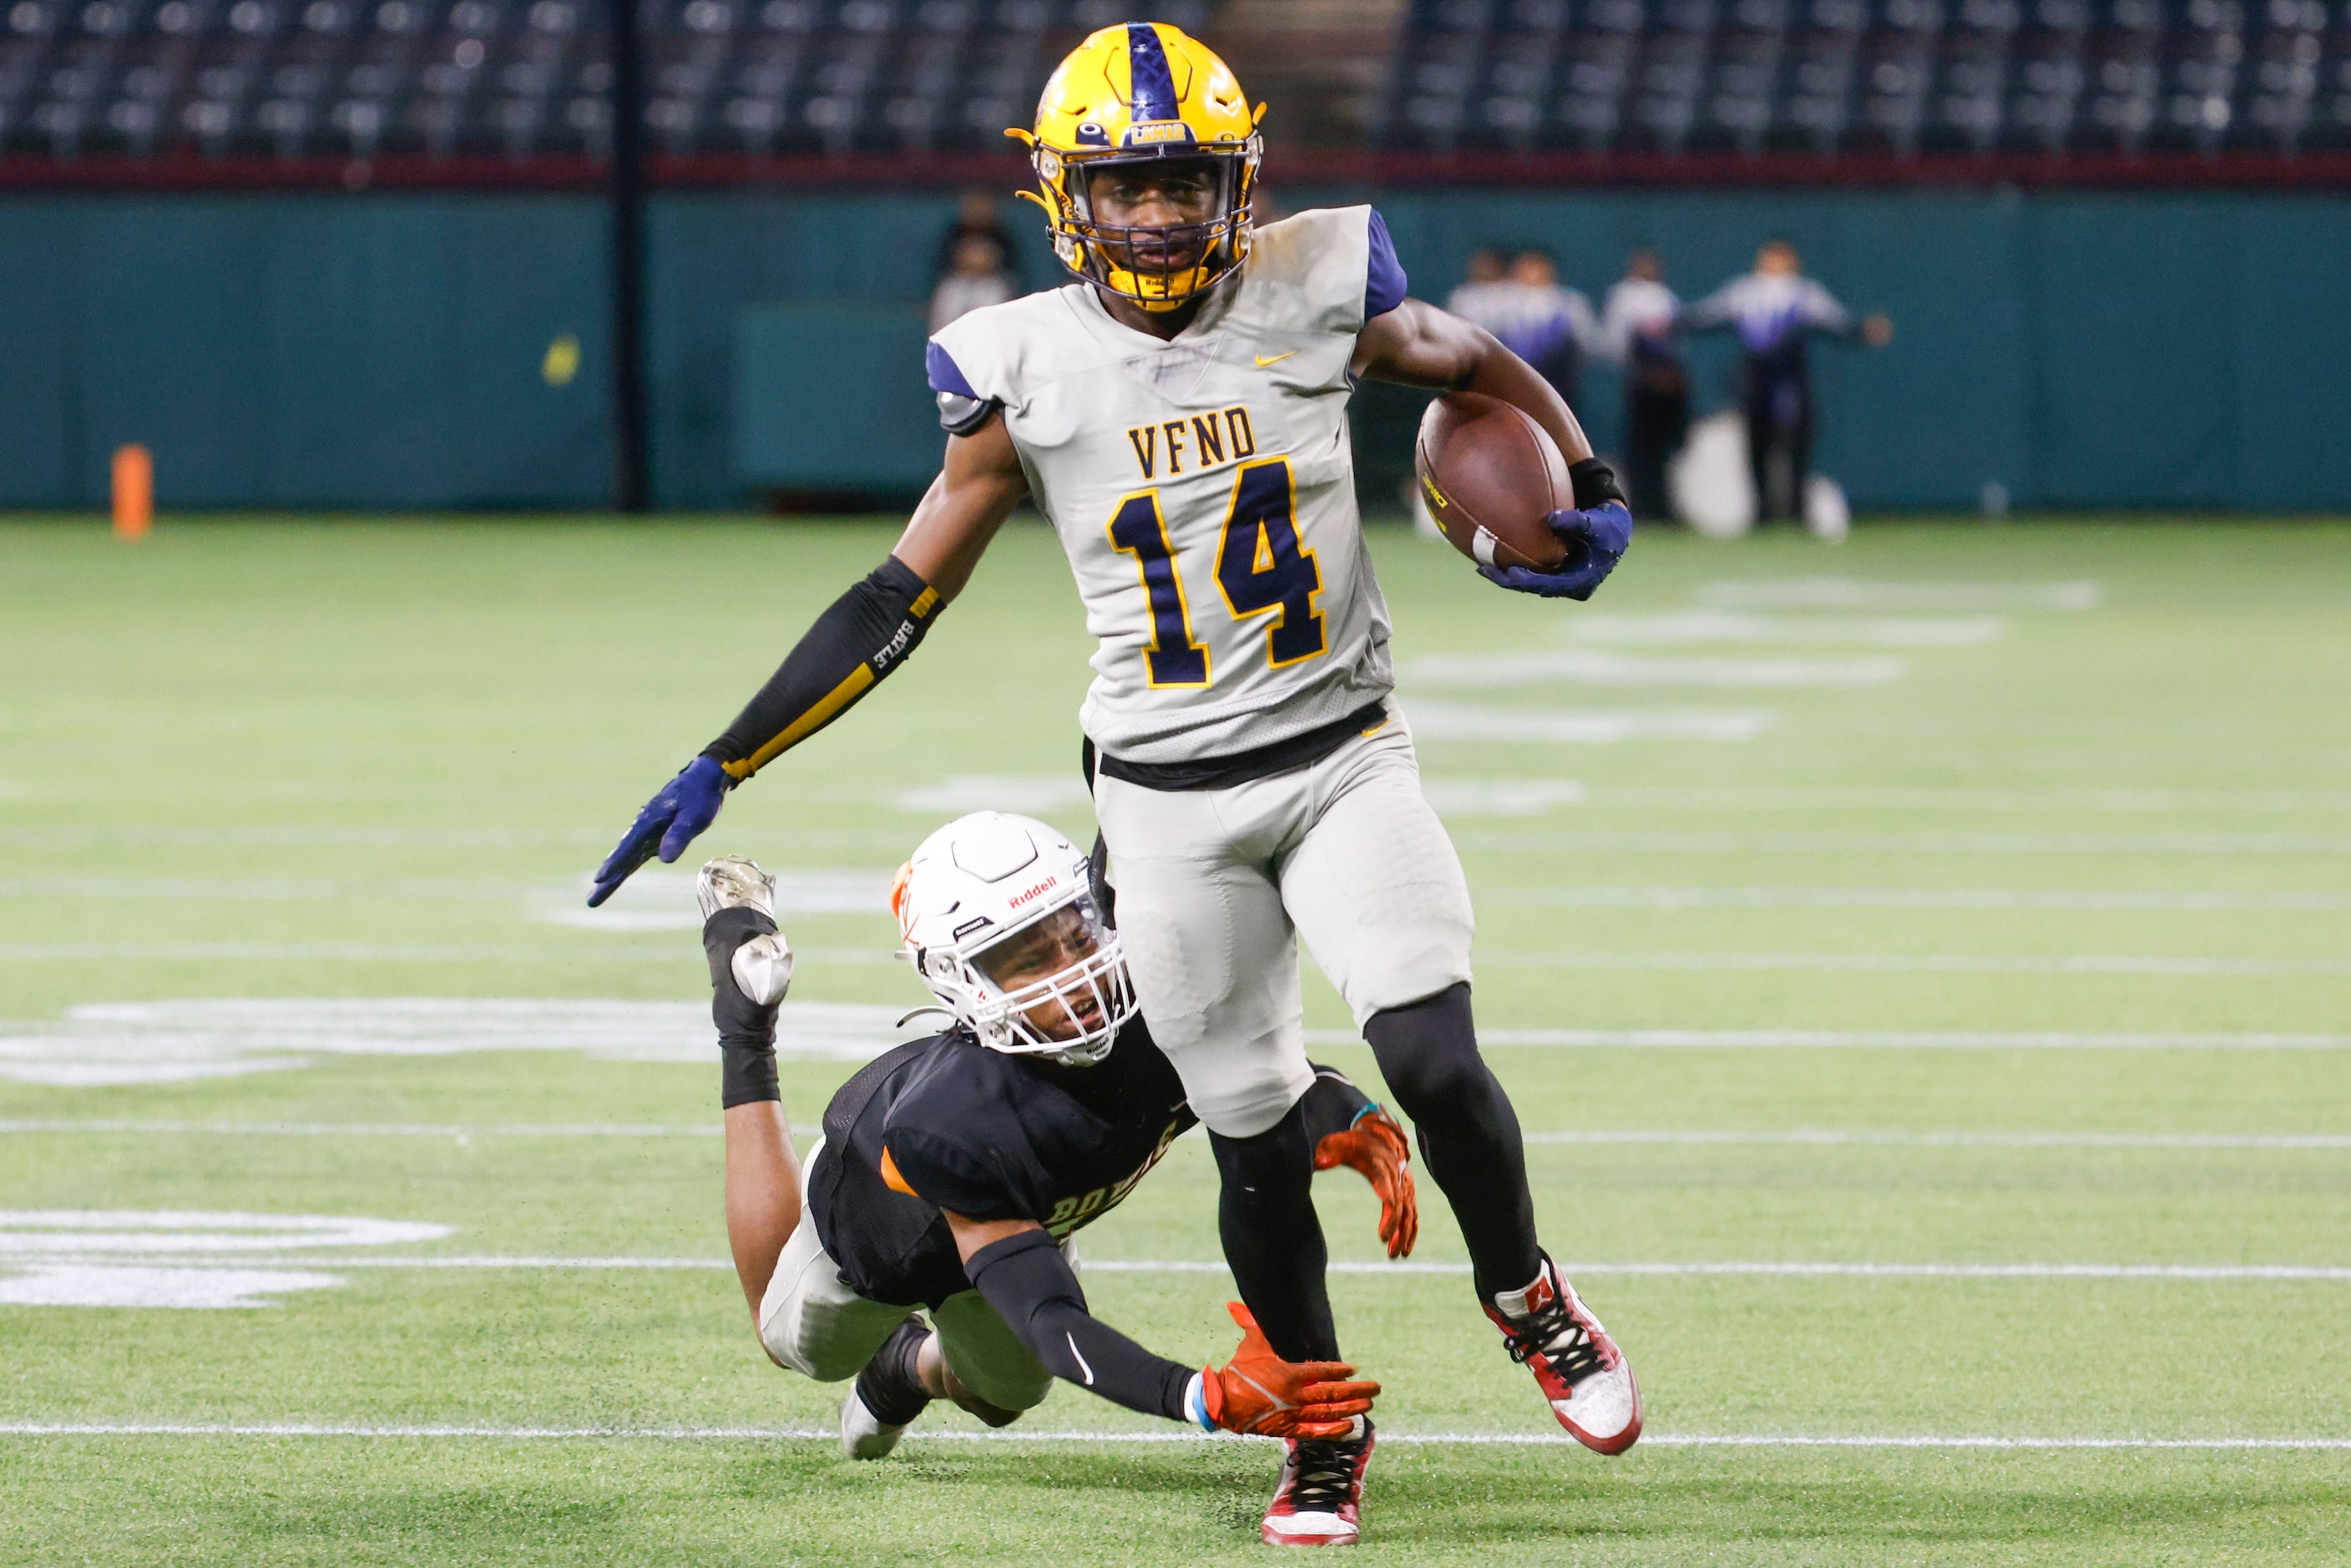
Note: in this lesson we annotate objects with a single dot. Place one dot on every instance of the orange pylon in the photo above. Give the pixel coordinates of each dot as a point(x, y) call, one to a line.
point(134, 492)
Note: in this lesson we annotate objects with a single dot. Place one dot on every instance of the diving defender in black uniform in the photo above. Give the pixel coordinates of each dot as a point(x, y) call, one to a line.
point(953, 1170)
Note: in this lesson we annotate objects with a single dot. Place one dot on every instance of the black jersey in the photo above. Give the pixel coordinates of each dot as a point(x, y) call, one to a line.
point(945, 1122)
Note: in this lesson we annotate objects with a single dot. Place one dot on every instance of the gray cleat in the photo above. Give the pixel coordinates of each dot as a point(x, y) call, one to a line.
point(735, 882)
point(762, 966)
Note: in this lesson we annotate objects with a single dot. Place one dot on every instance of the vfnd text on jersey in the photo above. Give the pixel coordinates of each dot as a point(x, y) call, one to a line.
point(1224, 436)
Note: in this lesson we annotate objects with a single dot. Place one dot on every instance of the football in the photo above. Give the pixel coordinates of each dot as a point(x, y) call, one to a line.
point(1491, 476)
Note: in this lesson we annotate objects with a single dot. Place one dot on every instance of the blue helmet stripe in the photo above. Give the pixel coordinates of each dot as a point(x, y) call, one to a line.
point(1152, 84)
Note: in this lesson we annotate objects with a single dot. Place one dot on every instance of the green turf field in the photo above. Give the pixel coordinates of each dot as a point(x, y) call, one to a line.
point(1920, 966)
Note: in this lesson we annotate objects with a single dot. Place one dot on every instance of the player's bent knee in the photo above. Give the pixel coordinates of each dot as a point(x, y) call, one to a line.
point(1427, 1048)
point(1008, 1388)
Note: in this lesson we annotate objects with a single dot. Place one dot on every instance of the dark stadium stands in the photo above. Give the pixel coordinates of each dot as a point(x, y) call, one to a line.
point(294, 78)
point(1905, 78)
point(917, 84)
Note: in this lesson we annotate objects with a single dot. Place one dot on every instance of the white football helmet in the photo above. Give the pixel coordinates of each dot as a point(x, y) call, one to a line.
point(1000, 918)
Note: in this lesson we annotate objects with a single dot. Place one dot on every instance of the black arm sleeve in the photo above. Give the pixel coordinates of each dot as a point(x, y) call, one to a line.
point(1028, 1282)
point(1332, 1104)
point(746, 1030)
point(868, 632)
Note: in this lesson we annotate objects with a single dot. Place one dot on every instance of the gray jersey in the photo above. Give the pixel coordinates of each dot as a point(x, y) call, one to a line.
point(1204, 488)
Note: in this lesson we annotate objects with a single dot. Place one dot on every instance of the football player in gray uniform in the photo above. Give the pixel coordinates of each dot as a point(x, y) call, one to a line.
point(1178, 413)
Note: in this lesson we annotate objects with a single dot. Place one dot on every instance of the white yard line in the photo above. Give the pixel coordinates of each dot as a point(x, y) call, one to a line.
point(1848, 593)
point(1837, 1138)
point(1803, 1137)
point(1601, 668)
point(1519, 841)
point(877, 956)
point(2147, 899)
point(1580, 727)
point(1834, 799)
point(821, 1434)
point(457, 1130)
point(1869, 1040)
point(1716, 628)
point(2274, 1273)
point(2288, 1272)
point(2168, 965)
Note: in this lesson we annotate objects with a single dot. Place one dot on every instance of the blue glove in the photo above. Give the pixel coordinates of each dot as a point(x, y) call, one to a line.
point(1597, 539)
point(672, 820)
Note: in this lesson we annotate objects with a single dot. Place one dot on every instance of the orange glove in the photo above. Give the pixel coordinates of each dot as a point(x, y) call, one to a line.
point(1259, 1391)
point(1376, 1146)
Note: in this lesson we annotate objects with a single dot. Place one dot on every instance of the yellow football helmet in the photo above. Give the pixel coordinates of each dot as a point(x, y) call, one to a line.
point(1135, 93)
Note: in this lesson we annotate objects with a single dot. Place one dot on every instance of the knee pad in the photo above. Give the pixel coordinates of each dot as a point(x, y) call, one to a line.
point(996, 1394)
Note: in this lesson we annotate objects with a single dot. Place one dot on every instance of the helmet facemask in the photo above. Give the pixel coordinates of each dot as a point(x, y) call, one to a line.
point(1159, 267)
point(1056, 986)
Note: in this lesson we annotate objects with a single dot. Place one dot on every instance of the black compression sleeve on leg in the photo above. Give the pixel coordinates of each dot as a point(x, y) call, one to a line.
point(1468, 1132)
point(868, 632)
point(1025, 1278)
point(1273, 1238)
point(746, 1030)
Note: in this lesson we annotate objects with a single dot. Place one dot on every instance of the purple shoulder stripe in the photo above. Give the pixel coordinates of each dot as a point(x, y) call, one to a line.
point(1383, 281)
point(946, 375)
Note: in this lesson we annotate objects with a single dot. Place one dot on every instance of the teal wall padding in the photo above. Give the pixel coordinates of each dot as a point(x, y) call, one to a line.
point(714, 255)
point(2162, 350)
point(797, 427)
point(2080, 350)
point(303, 351)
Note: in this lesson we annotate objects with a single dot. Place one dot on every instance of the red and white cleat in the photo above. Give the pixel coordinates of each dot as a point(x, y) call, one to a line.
point(1321, 1493)
point(1582, 1374)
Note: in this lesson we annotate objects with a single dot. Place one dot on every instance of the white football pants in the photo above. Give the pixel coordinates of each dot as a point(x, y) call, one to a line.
point(812, 1322)
point(1214, 885)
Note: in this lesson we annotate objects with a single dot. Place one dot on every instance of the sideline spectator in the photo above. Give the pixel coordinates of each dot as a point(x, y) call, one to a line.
point(1551, 326)
point(1478, 297)
point(1775, 309)
point(977, 276)
point(976, 212)
point(1636, 327)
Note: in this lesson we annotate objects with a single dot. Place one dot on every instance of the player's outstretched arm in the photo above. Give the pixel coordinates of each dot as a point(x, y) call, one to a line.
point(1020, 1272)
point(868, 632)
point(1419, 345)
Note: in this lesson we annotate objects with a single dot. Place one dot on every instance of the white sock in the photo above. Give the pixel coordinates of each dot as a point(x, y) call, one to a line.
point(1522, 1303)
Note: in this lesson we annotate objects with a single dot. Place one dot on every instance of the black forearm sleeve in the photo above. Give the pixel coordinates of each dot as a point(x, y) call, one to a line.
point(1332, 1104)
point(1028, 1282)
point(746, 1030)
point(868, 632)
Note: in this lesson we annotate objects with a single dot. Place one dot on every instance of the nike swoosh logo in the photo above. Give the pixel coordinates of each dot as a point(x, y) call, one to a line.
point(1265, 360)
point(1081, 1358)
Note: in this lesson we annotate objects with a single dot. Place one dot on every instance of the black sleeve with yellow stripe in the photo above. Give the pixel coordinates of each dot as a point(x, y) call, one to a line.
point(868, 632)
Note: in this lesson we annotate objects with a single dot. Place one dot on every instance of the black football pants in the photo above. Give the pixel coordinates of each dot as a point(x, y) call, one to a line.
point(1470, 1142)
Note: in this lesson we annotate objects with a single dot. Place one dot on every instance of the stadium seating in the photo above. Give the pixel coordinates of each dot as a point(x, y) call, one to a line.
point(522, 79)
point(290, 79)
point(1906, 78)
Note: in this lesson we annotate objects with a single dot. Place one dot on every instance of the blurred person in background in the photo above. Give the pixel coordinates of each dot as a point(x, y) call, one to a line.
point(1637, 326)
point(1775, 309)
point(1478, 295)
point(976, 275)
point(1548, 326)
point(976, 212)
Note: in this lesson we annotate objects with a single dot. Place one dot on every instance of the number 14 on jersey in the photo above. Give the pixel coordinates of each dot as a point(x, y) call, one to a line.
point(1261, 568)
